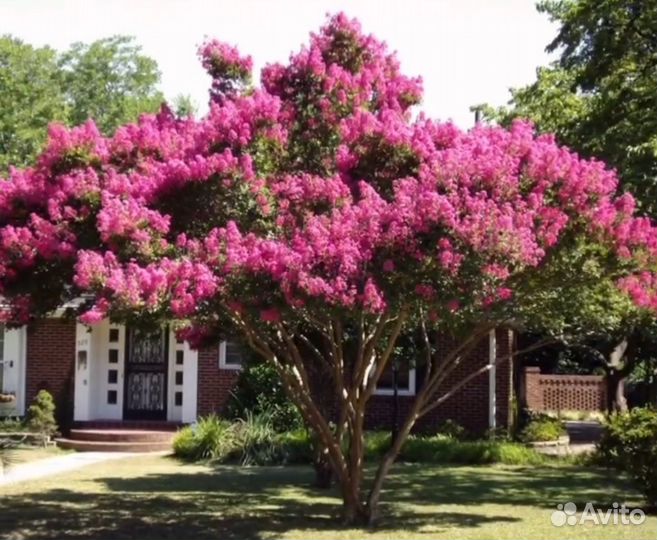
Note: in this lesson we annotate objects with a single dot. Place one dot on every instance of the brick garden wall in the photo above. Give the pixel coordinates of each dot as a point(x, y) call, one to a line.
point(50, 364)
point(564, 392)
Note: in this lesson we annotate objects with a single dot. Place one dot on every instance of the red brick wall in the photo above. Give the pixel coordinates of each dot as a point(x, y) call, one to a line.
point(50, 364)
point(468, 407)
point(214, 384)
point(564, 392)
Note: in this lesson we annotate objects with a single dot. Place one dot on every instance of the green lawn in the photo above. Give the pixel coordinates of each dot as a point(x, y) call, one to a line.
point(25, 454)
point(157, 497)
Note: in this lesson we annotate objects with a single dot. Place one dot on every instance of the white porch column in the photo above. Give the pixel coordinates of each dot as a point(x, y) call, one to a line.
point(99, 360)
point(14, 364)
point(83, 352)
point(182, 381)
point(492, 373)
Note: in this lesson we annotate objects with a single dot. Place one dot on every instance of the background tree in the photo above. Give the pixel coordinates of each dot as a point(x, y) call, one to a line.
point(109, 80)
point(318, 219)
point(599, 98)
point(31, 97)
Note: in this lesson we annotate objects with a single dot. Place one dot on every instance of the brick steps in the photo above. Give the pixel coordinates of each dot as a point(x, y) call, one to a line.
point(143, 425)
point(115, 446)
point(121, 435)
point(117, 440)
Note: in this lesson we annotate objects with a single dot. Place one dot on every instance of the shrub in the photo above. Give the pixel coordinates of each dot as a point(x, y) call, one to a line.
point(256, 442)
point(629, 443)
point(248, 441)
point(41, 415)
point(453, 430)
point(11, 425)
point(376, 444)
point(297, 446)
point(259, 391)
point(440, 449)
point(208, 438)
point(253, 441)
point(542, 427)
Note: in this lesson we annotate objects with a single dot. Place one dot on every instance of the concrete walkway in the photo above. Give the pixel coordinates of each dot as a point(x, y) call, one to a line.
point(55, 465)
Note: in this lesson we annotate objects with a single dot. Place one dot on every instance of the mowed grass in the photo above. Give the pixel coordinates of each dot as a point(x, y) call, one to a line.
point(27, 454)
point(151, 497)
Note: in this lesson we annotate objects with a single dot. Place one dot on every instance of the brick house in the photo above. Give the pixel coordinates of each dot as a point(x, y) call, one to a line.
point(111, 373)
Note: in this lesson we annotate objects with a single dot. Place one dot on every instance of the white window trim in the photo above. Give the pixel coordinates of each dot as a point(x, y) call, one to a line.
point(222, 359)
point(410, 391)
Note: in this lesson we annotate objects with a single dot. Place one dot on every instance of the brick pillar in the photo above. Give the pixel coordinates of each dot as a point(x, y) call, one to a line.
point(533, 392)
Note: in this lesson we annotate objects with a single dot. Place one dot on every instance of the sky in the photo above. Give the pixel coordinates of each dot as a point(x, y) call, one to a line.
point(467, 51)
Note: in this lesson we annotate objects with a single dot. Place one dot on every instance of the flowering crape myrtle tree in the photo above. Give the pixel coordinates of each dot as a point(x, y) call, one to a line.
point(318, 219)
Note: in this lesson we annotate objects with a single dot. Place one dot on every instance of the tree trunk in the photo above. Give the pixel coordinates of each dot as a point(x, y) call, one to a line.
point(616, 400)
point(322, 466)
point(618, 366)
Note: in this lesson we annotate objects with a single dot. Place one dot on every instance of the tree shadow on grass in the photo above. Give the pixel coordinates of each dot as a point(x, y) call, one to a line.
point(226, 503)
point(543, 487)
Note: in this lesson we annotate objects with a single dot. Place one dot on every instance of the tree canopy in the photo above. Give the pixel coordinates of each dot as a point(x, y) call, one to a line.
point(599, 97)
point(109, 80)
point(317, 218)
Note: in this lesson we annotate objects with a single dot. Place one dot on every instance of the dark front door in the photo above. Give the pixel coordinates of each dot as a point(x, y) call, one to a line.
point(145, 375)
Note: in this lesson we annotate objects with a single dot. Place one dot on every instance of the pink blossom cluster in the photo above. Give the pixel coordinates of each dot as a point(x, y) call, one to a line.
point(317, 191)
point(228, 69)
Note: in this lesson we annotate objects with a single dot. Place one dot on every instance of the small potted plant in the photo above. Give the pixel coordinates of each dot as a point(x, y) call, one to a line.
point(7, 404)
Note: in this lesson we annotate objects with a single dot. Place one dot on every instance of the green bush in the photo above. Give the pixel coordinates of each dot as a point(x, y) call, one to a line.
point(253, 441)
point(41, 415)
point(297, 446)
point(11, 425)
point(542, 427)
point(441, 449)
point(453, 430)
point(259, 391)
point(256, 442)
point(629, 443)
point(248, 441)
point(208, 438)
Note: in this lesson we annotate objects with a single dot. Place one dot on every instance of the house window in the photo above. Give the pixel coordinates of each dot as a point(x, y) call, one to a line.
point(114, 335)
point(180, 357)
point(179, 377)
point(405, 381)
point(111, 397)
point(112, 376)
point(231, 355)
point(113, 356)
point(178, 399)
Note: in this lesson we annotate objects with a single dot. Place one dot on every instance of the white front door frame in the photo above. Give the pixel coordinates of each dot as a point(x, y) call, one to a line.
point(100, 375)
point(14, 365)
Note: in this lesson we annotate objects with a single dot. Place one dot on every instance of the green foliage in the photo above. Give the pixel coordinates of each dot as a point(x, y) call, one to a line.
point(108, 80)
point(629, 443)
point(440, 449)
point(248, 441)
point(252, 441)
point(598, 97)
point(41, 415)
point(208, 438)
point(11, 425)
point(255, 441)
point(31, 96)
point(542, 427)
point(259, 391)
